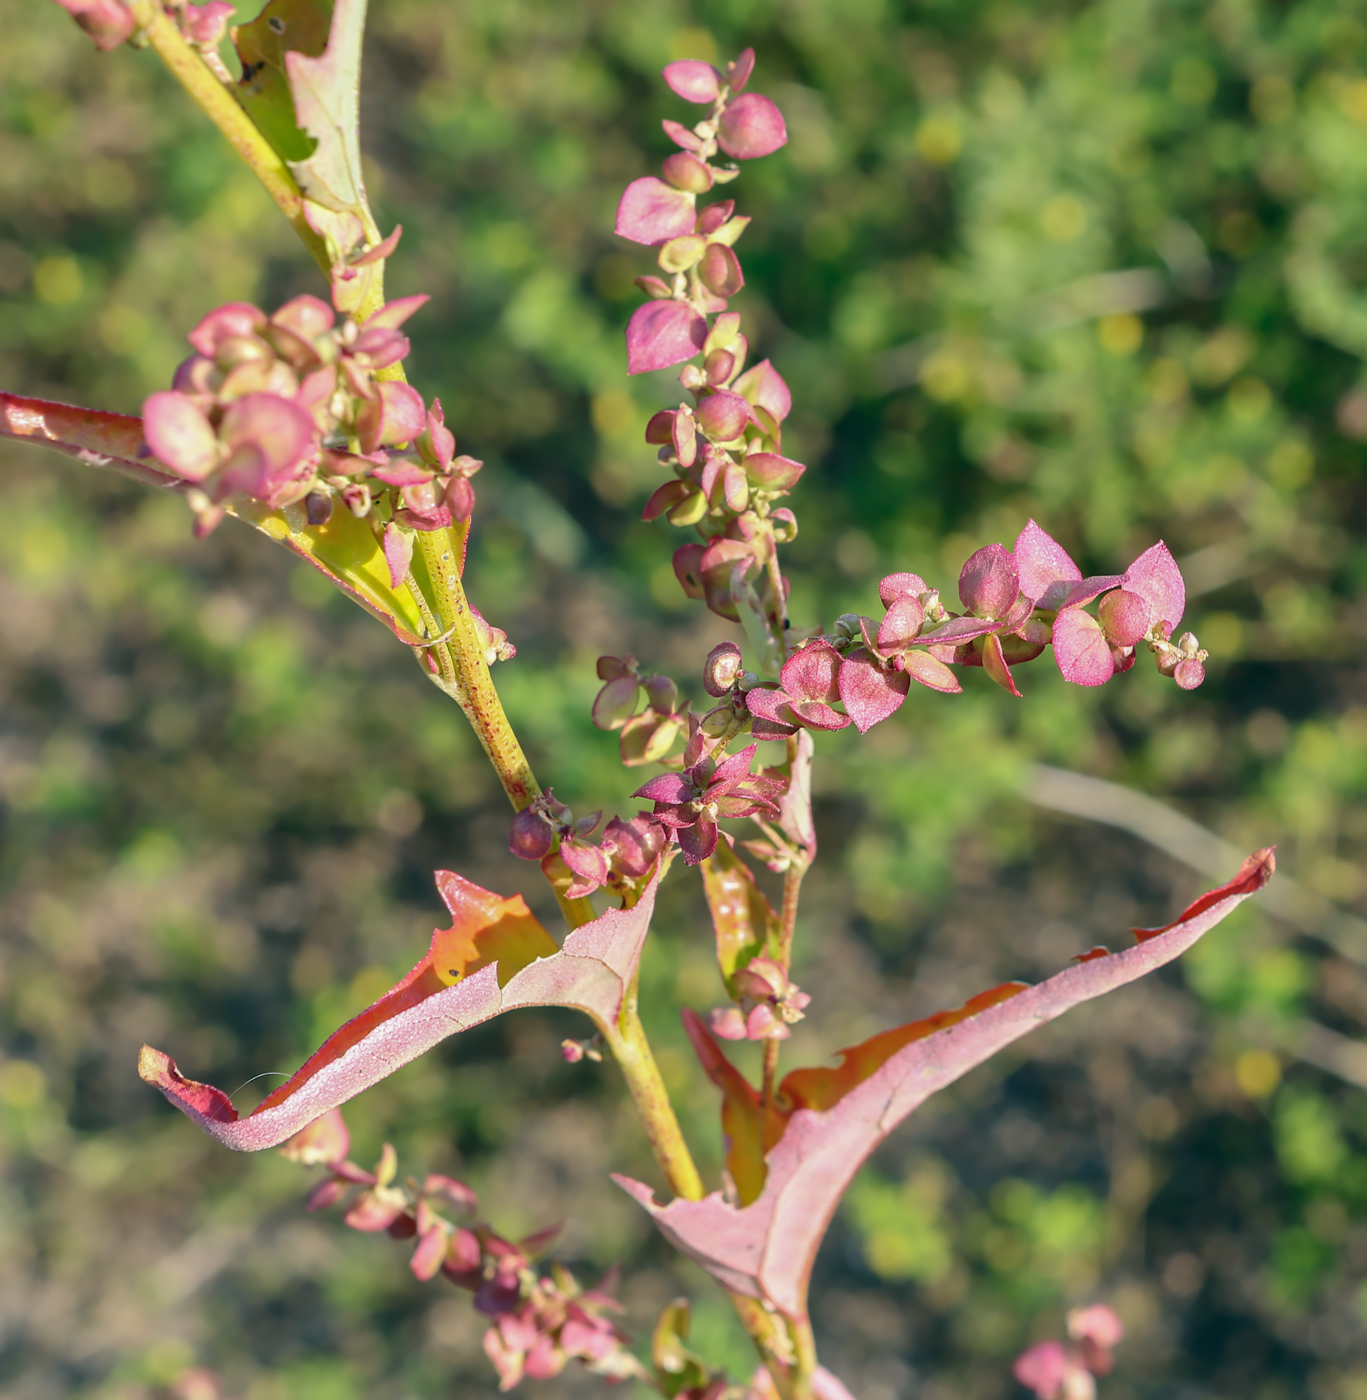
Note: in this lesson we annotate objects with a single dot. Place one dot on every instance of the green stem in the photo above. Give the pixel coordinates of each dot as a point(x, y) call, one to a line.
point(219, 105)
point(632, 1052)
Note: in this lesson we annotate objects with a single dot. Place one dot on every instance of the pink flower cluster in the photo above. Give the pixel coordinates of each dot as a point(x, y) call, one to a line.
point(726, 446)
point(290, 408)
point(1015, 603)
point(548, 832)
point(769, 1004)
point(1058, 1372)
point(538, 1323)
point(110, 23)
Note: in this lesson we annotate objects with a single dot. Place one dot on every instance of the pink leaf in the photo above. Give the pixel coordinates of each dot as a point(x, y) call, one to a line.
point(766, 1249)
point(652, 212)
point(1046, 569)
point(989, 583)
point(180, 435)
point(870, 693)
point(494, 958)
point(901, 585)
point(1081, 649)
point(396, 415)
point(663, 333)
point(901, 625)
point(751, 126)
point(693, 80)
point(1158, 581)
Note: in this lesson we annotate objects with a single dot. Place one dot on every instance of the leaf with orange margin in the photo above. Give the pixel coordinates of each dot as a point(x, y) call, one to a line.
point(741, 1129)
point(344, 550)
point(495, 957)
point(743, 919)
point(766, 1249)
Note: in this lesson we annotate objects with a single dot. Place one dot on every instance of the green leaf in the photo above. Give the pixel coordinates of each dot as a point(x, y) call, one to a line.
point(326, 92)
point(284, 26)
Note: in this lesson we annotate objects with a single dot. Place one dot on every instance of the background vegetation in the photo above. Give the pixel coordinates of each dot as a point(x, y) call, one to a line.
point(1098, 263)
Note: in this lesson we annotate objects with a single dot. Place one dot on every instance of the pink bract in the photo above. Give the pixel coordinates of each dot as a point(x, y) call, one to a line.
point(1081, 649)
point(693, 80)
point(663, 333)
point(652, 212)
point(179, 435)
point(750, 127)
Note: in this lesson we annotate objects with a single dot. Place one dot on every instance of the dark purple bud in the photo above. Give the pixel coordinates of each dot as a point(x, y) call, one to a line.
point(687, 172)
point(770, 472)
point(318, 507)
point(723, 416)
point(738, 72)
point(587, 825)
point(751, 126)
point(1124, 617)
point(530, 836)
point(720, 271)
point(652, 212)
point(693, 80)
point(722, 669)
point(989, 583)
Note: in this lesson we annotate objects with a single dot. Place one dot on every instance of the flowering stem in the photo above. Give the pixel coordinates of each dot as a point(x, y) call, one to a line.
point(219, 105)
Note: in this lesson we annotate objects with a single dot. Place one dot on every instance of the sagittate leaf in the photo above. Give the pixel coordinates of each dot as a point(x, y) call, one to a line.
point(837, 1116)
point(345, 549)
point(495, 957)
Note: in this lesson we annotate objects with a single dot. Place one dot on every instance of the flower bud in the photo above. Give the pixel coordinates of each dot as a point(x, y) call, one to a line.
point(459, 498)
point(1189, 673)
point(654, 286)
point(784, 525)
point(530, 837)
point(722, 669)
point(684, 436)
point(687, 172)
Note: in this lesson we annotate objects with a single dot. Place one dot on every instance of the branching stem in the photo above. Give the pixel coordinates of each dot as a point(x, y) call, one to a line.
point(218, 104)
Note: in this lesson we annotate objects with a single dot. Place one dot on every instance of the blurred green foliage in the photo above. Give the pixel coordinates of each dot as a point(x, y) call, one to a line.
point(1100, 264)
